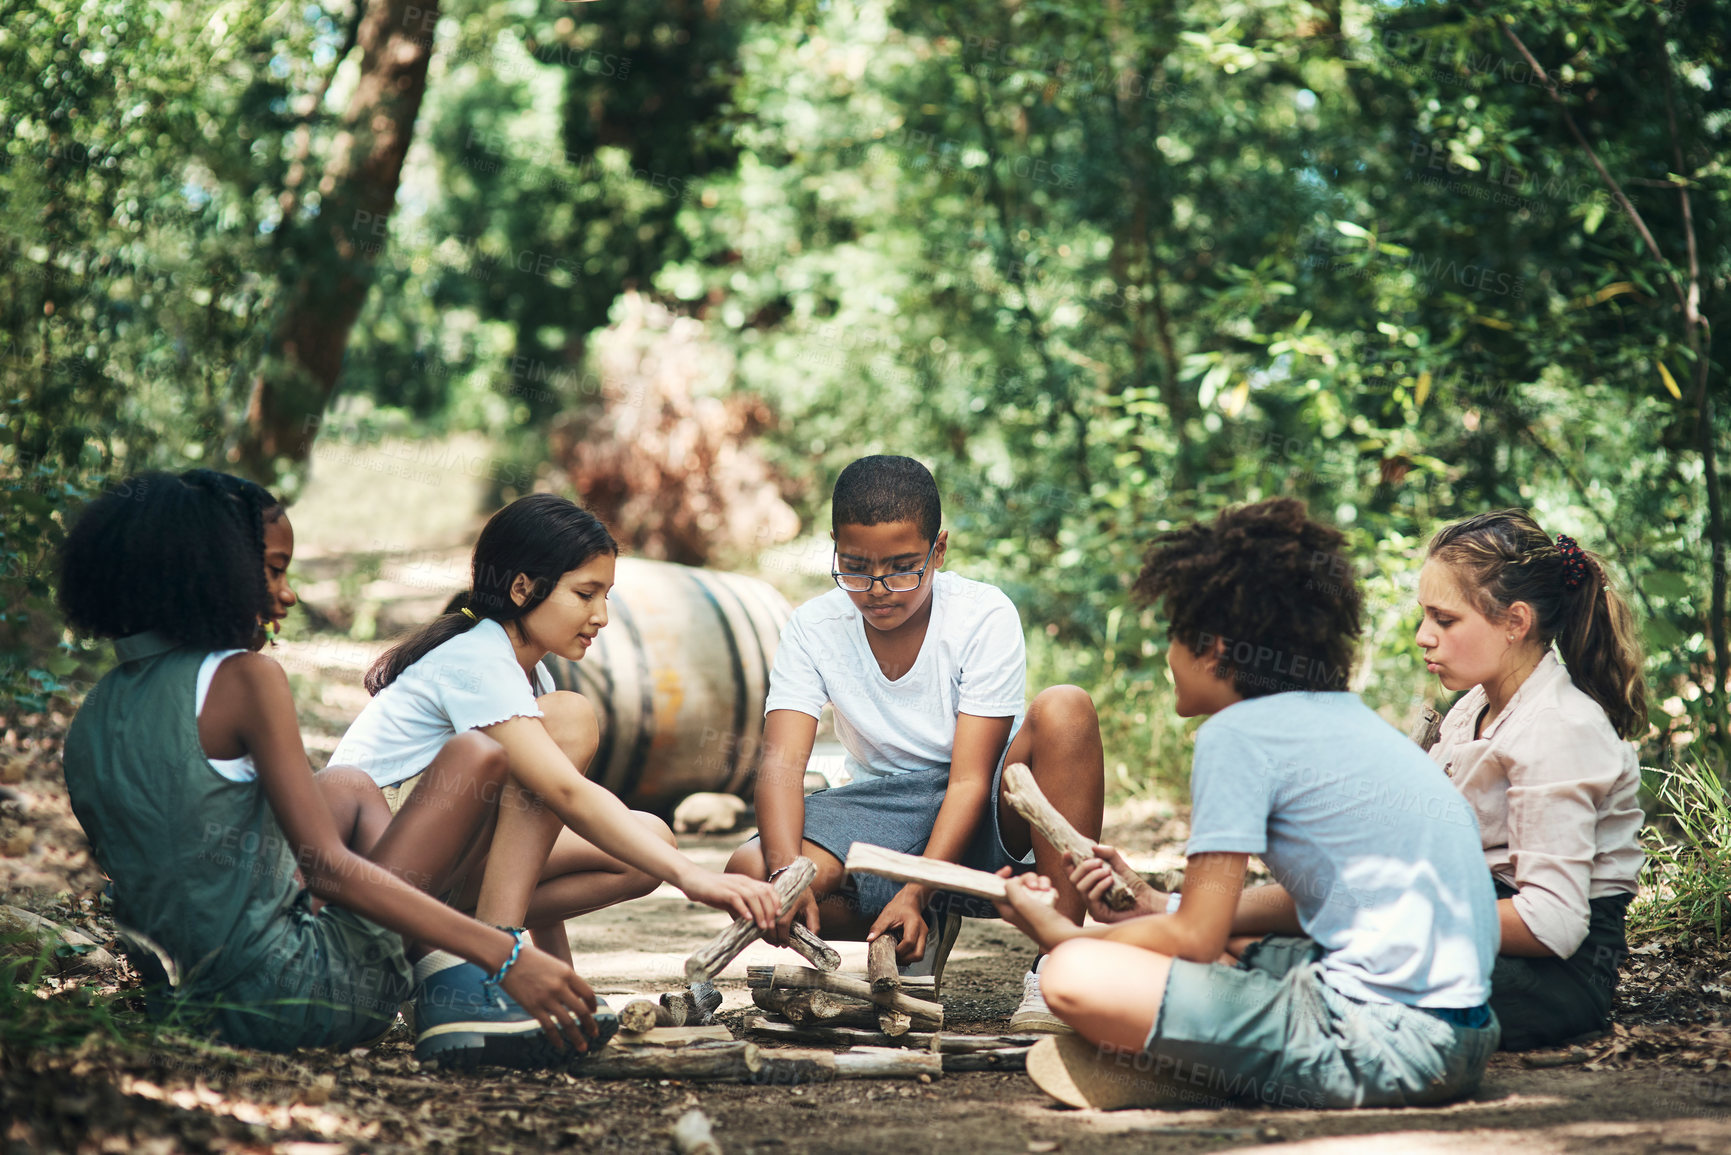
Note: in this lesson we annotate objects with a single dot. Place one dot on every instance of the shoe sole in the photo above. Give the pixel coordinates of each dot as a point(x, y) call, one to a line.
point(522, 1046)
point(1040, 1023)
point(1080, 1074)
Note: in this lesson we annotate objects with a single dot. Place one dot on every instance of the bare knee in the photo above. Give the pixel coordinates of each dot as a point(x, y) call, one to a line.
point(747, 860)
point(478, 755)
point(571, 723)
point(345, 779)
point(1063, 706)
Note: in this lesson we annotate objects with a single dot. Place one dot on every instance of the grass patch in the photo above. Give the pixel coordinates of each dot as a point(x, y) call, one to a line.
point(1686, 885)
point(41, 1013)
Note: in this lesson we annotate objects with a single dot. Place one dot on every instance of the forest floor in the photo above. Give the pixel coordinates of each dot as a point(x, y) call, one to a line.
point(1660, 1082)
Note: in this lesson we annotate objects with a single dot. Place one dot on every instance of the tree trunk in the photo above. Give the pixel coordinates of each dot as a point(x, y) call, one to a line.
point(357, 193)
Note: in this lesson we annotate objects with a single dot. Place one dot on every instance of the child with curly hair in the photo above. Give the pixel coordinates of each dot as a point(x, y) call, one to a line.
point(1540, 749)
point(1375, 858)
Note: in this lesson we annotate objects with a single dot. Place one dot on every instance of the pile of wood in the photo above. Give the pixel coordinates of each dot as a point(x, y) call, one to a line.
point(892, 1026)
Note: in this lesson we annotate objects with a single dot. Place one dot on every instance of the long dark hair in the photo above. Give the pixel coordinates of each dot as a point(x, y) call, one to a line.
point(1503, 557)
point(543, 537)
point(183, 556)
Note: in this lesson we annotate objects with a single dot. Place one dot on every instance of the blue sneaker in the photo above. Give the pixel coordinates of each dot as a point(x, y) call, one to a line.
point(461, 1023)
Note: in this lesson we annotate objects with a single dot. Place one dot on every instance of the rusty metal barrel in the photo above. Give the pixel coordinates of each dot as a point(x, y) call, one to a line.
point(678, 678)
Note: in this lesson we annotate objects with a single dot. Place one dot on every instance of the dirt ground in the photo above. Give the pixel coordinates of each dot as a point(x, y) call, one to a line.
point(1660, 1083)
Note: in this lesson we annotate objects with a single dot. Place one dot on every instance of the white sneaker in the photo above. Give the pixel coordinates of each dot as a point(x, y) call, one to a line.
point(1033, 1015)
point(940, 940)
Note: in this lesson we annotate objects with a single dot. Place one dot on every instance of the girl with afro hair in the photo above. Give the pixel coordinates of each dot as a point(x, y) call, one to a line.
point(186, 769)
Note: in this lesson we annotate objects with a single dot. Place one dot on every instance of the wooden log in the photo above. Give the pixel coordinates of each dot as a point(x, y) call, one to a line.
point(805, 977)
point(641, 1015)
point(706, 1062)
point(932, 872)
point(710, 958)
point(814, 950)
point(807, 1008)
point(1022, 792)
point(692, 1135)
point(887, 1063)
point(883, 974)
point(949, 1044)
point(677, 1004)
point(676, 1037)
point(997, 1059)
point(1427, 729)
point(705, 1001)
point(69, 951)
point(793, 1067)
point(881, 969)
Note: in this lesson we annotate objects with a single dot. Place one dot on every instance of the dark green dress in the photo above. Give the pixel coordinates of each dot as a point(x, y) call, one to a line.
point(202, 870)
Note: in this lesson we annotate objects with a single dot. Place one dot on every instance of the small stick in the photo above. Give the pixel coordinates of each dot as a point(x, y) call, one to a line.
point(804, 978)
point(676, 1037)
point(932, 872)
point(999, 1059)
point(886, 1063)
point(795, 1067)
point(705, 1001)
point(1022, 792)
point(678, 1008)
point(949, 1044)
point(692, 1135)
point(814, 950)
point(711, 957)
point(816, 1009)
point(641, 1015)
point(881, 969)
point(1427, 729)
point(882, 973)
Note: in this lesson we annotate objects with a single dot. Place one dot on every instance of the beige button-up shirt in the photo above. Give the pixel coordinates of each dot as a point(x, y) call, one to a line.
point(1555, 793)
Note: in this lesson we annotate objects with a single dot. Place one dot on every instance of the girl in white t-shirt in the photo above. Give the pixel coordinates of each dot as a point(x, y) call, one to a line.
point(563, 845)
point(1541, 751)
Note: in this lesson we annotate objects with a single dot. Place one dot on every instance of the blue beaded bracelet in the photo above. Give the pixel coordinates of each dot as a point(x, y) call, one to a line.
point(491, 984)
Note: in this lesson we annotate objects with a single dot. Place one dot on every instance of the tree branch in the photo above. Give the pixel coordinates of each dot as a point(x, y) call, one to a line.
point(1610, 182)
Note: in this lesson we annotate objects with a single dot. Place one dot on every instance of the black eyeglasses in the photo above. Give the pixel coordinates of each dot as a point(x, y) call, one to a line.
point(895, 583)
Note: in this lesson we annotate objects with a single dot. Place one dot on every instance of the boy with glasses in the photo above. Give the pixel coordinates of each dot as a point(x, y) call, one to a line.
point(927, 673)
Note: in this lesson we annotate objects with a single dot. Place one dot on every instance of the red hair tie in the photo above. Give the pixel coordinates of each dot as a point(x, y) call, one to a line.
point(1574, 562)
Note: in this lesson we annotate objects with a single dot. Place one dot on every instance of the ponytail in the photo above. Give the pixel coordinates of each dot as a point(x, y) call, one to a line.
point(1600, 647)
point(418, 645)
point(1504, 557)
point(541, 537)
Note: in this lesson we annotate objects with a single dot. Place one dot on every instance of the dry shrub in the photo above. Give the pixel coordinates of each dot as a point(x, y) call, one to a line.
point(669, 461)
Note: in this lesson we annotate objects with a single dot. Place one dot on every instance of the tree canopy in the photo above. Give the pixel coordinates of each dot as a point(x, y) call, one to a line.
point(1103, 267)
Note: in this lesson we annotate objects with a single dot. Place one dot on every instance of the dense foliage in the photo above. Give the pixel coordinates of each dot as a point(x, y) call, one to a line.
point(1103, 267)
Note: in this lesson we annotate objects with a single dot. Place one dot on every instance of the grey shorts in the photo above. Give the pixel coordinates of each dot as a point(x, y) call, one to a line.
point(1270, 1030)
point(334, 979)
point(897, 811)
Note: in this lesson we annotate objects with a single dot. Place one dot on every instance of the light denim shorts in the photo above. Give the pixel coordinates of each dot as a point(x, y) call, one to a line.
point(897, 811)
point(1271, 1031)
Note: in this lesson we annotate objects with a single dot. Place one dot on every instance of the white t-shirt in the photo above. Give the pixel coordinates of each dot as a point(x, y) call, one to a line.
point(973, 661)
point(1378, 850)
point(469, 682)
